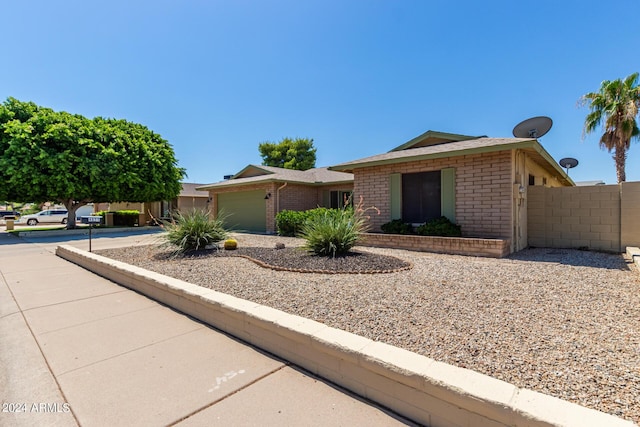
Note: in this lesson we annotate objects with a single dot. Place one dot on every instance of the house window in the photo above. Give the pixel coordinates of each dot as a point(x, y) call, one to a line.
point(340, 199)
point(421, 198)
point(165, 209)
point(532, 180)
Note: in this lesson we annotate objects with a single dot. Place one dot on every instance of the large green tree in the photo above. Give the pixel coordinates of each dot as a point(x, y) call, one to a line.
point(615, 108)
point(299, 153)
point(48, 155)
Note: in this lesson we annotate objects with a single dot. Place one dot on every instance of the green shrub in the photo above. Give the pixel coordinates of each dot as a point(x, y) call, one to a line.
point(332, 232)
point(290, 223)
point(194, 231)
point(439, 227)
point(397, 226)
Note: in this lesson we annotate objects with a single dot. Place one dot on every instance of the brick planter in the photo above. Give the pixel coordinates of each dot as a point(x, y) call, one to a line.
point(494, 248)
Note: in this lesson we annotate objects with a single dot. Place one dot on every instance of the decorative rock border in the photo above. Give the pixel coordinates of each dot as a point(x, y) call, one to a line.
point(419, 388)
point(304, 270)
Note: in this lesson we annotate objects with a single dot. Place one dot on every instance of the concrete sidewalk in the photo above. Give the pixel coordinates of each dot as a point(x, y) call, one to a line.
point(77, 349)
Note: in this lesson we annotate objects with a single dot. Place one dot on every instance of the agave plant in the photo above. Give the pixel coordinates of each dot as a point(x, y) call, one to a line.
point(194, 231)
point(333, 232)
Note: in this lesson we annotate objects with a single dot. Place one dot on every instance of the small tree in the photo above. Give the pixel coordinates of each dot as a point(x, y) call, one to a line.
point(298, 154)
point(47, 155)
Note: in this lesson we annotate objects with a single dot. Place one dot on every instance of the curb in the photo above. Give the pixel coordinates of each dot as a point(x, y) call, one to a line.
point(414, 386)
point(85, 231)
point(634, 253)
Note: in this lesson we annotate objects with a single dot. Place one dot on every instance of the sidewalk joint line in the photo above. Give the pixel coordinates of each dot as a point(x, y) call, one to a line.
point(74, 300)
point(129, 351)
point(97, 320)
point(284, 365)
point(35, 339)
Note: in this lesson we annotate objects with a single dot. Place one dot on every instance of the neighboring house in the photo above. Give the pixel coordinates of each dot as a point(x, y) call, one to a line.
point(479, 183)
point(188, 199)
point(251, 199)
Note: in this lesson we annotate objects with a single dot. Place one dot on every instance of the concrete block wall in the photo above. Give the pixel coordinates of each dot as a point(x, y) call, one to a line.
point(483, 196)
point(599, 217)
point(630, 214)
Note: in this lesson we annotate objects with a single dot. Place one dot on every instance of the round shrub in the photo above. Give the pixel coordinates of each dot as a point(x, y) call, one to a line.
point(397, 226)
point(439, 227)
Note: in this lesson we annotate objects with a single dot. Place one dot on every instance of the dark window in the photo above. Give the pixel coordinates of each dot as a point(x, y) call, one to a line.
point(334, 200)
point(340, 199)
point(544, 181)
point(421, 196)
point(532, 180)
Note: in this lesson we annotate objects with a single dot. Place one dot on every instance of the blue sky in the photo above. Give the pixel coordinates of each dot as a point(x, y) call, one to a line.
point(216, 78)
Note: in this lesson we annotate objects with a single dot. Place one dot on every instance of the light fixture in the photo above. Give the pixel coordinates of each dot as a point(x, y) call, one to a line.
point(268, 196)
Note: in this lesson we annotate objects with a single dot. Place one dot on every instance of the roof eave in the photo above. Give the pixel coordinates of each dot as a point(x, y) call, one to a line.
point(229, 184)
point(554, 165)
point(350, 167)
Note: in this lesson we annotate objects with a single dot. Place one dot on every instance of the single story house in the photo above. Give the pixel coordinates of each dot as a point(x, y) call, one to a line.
point(188, 199)
point(477, 182)
point(250, 199)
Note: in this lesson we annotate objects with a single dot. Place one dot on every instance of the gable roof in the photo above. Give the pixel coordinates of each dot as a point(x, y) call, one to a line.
point(189, 190)
point(253, 174)
point(432, 137)
point(460, 148)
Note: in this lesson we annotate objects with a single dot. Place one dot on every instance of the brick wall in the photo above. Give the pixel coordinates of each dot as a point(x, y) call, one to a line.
point(299, 197)
point(493, 248)
point(599, 217)
point(483, 191)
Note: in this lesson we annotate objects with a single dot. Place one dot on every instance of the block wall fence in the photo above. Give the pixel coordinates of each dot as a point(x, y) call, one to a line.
point(599, 217)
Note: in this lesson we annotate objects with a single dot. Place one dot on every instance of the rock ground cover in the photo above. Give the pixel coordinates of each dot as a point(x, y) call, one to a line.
point(562, 322)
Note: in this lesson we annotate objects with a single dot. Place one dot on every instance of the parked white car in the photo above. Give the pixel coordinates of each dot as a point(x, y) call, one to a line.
point(58, 216)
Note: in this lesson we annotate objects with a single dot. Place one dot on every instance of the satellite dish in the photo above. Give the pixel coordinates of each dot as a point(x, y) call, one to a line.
point(568, 163)
point(534, 127)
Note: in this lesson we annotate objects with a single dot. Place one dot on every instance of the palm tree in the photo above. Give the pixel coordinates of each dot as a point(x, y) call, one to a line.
point(615, 107)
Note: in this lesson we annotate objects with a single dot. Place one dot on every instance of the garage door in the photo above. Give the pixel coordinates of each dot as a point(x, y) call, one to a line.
point(245, 210)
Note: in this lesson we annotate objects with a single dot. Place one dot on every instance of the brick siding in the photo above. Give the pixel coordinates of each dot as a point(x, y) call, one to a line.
point(483, 191)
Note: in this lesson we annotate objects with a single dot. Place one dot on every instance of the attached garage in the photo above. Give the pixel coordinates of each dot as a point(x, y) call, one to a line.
point(244, 210)
point(251, 199)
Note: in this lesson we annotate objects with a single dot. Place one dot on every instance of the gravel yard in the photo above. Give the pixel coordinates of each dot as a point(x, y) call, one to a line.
point(562, 322)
